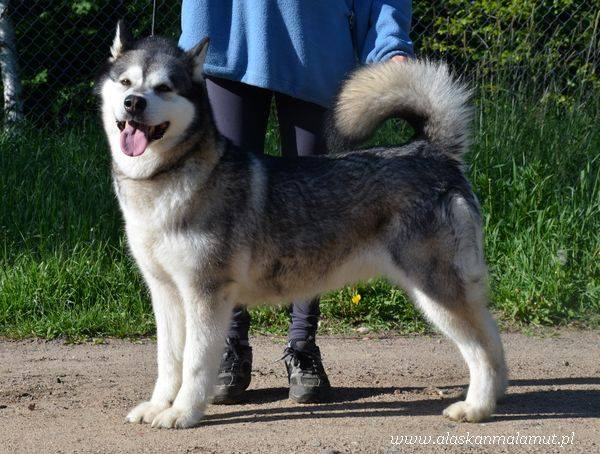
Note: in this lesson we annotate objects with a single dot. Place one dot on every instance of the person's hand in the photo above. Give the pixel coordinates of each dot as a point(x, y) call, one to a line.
point(400, 58)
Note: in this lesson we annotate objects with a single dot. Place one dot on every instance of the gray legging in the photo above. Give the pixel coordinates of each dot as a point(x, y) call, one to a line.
point(241, 113)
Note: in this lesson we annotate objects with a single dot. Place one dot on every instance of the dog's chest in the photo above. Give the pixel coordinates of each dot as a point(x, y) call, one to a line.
point(172, 254)
point(151, 205)
point(156, 221)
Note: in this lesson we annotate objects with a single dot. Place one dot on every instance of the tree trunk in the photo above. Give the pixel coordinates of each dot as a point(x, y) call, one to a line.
point(13, 104)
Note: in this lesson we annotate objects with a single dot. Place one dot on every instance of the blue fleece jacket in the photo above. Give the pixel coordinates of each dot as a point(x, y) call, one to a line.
point(302, 48)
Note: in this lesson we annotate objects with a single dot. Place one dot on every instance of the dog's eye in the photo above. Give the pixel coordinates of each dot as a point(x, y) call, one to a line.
point(125, 82)
point(162, 88)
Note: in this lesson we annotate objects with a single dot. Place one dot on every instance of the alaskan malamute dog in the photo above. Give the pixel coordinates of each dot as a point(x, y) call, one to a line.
point(211, 226)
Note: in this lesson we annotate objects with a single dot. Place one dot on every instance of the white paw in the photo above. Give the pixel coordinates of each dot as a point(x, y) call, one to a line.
point(146, 412)
point(463, 411)
point(177, 418)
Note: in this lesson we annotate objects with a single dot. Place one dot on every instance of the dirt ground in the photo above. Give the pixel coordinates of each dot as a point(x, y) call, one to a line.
point(73, 398)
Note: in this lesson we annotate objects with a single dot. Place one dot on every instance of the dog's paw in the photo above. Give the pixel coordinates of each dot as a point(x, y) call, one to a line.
point(463, 411)
point(177, 418)
point(146, 412)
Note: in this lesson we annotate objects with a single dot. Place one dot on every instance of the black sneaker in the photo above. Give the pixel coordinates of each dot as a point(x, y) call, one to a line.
point(234, 373)
point(306, 375)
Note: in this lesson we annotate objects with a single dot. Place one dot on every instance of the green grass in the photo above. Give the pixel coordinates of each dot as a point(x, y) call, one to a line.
point(64, 268)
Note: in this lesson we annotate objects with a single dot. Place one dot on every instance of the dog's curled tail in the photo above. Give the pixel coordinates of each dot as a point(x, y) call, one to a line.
point(422, 93)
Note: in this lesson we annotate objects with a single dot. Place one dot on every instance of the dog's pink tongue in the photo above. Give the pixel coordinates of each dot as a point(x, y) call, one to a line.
point(133, 141)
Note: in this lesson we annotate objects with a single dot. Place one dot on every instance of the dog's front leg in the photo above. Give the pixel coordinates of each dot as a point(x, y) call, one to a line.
point(170, 338)
point(206, 321)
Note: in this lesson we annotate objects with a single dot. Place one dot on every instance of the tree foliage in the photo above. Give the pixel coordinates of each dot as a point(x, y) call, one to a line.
point(548, 45)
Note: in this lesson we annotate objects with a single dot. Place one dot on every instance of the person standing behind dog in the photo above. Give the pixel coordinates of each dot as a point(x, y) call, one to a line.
point(297, 52)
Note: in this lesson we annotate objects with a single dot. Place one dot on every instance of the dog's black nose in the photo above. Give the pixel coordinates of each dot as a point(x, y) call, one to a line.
point(134, 104)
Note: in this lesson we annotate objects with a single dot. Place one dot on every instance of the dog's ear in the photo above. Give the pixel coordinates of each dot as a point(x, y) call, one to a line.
point(196, 55)
point(121, 42)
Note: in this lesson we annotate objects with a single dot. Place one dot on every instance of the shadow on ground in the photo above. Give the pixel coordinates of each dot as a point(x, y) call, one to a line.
point(344, 402)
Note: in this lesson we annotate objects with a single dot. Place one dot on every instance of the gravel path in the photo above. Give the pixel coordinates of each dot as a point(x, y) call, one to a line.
point(73, 398)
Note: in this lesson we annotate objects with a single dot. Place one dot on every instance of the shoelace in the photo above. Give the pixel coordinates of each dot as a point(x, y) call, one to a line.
point(232, 350)
point(304, 359)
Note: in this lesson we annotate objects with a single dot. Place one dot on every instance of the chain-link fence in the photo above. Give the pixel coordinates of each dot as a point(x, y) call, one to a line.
point(546, 48)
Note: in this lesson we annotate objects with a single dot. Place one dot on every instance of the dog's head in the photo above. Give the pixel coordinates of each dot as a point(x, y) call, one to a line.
point(152, 96)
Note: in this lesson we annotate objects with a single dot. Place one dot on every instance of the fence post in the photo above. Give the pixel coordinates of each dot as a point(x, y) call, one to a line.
point(13, 104)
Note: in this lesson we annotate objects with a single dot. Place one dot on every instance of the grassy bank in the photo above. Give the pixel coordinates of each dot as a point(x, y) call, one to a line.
point(535, 166)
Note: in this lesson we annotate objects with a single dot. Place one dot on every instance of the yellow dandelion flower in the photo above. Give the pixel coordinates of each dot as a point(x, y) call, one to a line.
point(356, 298)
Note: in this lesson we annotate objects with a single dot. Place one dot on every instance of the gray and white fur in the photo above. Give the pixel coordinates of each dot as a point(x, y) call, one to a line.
point(211, 226)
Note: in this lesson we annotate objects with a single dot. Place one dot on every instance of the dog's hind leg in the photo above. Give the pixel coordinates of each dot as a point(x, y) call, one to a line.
point(445, 275)
point(170, 336)
point(206, 321)
point(470, 325)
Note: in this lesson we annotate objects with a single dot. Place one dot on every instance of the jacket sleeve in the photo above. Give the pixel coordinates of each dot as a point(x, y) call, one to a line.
point(388, 33)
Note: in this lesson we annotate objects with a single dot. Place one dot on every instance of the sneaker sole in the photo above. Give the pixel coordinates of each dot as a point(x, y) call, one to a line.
point(312, 398)
point(229, 398)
